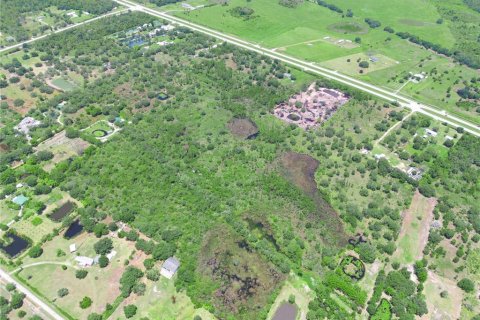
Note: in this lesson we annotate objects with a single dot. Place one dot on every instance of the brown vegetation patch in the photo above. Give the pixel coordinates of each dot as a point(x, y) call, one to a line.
point(308, 109)
point(245, 279)
point(300, 170)
point(4, 147)
point(243, 128)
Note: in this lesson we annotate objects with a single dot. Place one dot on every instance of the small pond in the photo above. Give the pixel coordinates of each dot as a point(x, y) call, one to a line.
point(59, 213)
point(16, 246)
point(286, 311)
point(74, 229)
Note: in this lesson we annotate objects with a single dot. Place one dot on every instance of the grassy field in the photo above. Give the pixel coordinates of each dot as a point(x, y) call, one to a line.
point(438, 307)
point(101, 285)
point(349, 64)
point(64, 83)
point(414, 233)
point(35, 228)
point(157, 303)
point(97, 129)
point(7, 213)
point(300, 289)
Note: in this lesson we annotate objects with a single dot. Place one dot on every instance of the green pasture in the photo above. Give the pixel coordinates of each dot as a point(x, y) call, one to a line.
point(376, 62)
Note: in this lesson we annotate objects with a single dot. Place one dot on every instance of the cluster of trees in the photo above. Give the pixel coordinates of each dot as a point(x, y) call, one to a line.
point(15, 301)
point(330, 6)
point(242, 12)
point(457, 55)
point(373, 23)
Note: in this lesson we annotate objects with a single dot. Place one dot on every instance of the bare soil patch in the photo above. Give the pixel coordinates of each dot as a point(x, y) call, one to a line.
point(243, 128)
point(300, 170)
point(308, 109)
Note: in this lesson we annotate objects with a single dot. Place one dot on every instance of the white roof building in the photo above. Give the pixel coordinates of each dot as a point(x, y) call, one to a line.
point(26, 124)
point(72, 247)
point(84, 261)
point(169, 267)
point(111, 255)
point(379, 156)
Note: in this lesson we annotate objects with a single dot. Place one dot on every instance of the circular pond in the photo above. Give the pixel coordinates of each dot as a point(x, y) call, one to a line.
point(353, 267)
point(99, 133)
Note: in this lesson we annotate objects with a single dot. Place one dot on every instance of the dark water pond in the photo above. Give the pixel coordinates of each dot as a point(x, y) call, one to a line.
point(286, 311)
point(74, 229)
point(17, 245)
point(61, 212)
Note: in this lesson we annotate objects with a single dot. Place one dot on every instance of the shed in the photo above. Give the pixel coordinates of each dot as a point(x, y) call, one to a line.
point(169, 267)
point(20, 200)
point(72, 247)
point(111, 255)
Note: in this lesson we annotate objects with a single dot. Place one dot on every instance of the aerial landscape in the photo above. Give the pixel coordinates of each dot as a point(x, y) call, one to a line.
point(239, 159)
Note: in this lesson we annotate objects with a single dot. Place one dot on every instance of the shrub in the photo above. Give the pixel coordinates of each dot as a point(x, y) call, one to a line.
point(466, 285)
point(85, 303)
point(130, 310)
point(81, 274)
point(35, 252)
point(63, 292)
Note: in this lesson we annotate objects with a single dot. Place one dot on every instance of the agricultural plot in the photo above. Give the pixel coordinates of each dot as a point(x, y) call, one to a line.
point(62, 148)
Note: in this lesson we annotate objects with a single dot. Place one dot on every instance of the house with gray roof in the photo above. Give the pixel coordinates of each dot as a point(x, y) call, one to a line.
point(170, 267)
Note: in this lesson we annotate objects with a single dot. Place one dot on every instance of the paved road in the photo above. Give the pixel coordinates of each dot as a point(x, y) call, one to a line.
point(313, 68)
point(31, 296)
point(18, 45)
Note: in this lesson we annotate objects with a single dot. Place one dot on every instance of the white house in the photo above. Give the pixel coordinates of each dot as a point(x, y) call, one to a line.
point(379, 156)
point(169, 267)
point(72, 14)
point(112, 254)
point(84, 261)
point(73, 248)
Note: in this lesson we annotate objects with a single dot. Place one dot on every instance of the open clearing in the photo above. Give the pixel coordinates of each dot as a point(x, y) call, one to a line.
point(162, 301)
point(442, 308)
point(415, 228)
point(303, 295)
point(349, 64)
point(62, 148)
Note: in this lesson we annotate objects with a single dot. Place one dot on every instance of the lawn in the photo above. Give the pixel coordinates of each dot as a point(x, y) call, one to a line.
point(7, 213)
point(101, 285)
point(99, 129)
